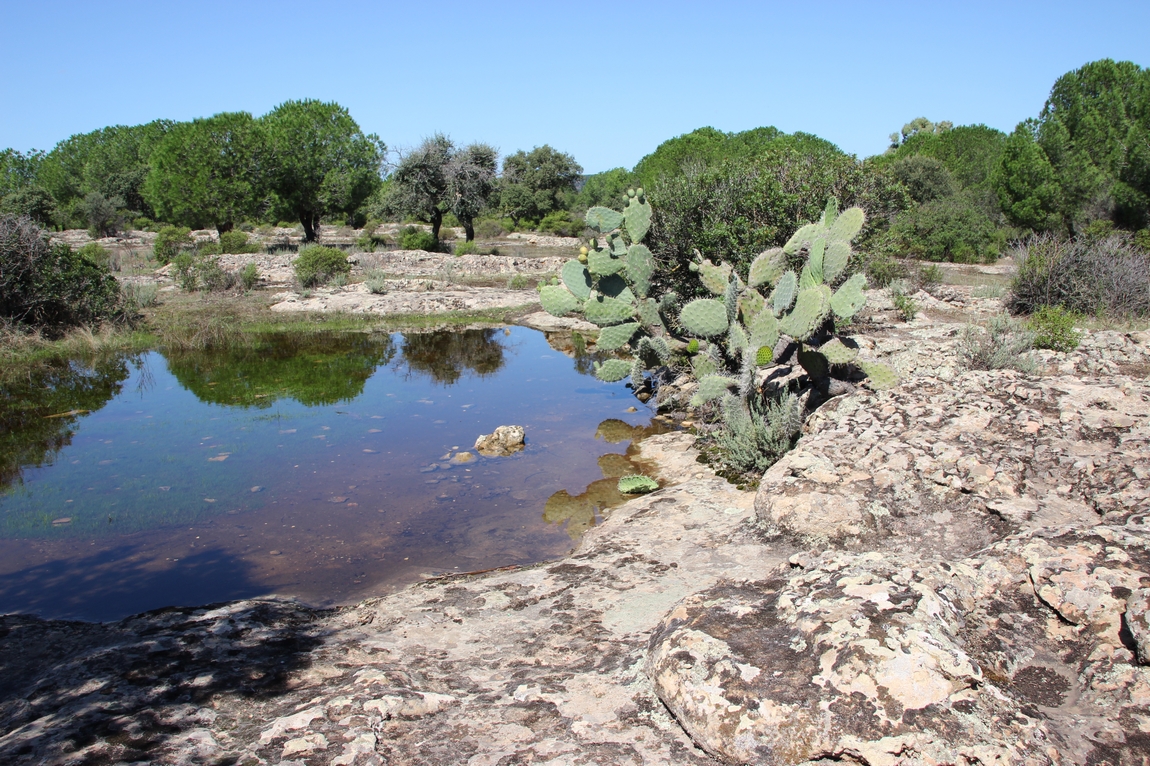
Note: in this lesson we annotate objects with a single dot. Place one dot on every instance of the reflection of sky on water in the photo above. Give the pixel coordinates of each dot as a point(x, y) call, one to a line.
point(327, 471)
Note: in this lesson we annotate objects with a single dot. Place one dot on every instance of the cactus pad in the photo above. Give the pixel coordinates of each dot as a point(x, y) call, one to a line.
point(640, 266)
point(638, 218)
point(849, 298)
point(879, 375)
point(703, 365)
point(636, 485)
point(813, 269)
point(557, 300)
point(830, 212)
point(848, 225)
point(835, 259)
point(764, 330)
point(577, 279)
point(767, 267)
point(784, 294)
point(613, 370)
point(603, 219)
point(616, 336)
point(617, 245)
point(838, 352)
point(814, 363)
point(802, 236)
point(712, 387)
point(715, 278)
point(602, 263)
point(611, 285)
point(751, 304)
point(810, 310)
point(737, 337)
point(649, 313)
point(605, 311)
point(705, 317)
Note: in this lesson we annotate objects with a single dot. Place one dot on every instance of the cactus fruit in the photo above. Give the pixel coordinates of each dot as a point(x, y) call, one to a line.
point(764, 356)
point(613, 370)
point(636, 485)
point(616, 336)
point(849, 298)
point(693, 346)
point(847, 225)
point(784, 293)
point(751, 304)
point(814, 363)
point(605, 311)
point(638, 219)
point(810, 310)
point(880, 376)
point(640, 266)
point(837, 352)
point(602, 263)
point(603, 219)
point(767, 267)
point(576, 279)
point(705, 317)
point(835, 260)
point(582, 258)
point(558, 301)
point(712, 387)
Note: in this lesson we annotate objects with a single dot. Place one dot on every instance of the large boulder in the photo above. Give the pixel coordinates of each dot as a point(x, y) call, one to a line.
point(1032, 651)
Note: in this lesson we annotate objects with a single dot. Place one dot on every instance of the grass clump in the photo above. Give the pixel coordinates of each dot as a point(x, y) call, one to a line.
point(249, 276)
point(1004, 345)
point(751, 440)
point(376, 282)
point(140, 295)
point(195, 272)
point(518, 282)
point(903, 303)
point(1053, 328)
point(317, 265)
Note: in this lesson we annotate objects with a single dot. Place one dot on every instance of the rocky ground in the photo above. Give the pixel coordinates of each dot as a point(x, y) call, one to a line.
point(955, 571)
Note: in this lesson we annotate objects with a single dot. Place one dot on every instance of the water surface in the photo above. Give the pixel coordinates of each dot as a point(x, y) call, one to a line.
point(326, 468)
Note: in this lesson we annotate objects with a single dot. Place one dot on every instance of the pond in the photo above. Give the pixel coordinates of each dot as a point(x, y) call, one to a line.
point(323, 467)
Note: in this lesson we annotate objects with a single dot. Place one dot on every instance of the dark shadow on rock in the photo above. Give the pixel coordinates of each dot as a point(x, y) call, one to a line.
point(111, 584)
point(139, 689)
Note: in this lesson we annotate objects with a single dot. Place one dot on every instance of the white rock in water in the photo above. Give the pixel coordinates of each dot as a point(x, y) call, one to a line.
point(500, 442)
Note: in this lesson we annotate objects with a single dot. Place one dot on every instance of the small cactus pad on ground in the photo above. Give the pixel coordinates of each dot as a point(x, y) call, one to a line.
point(705, 317)
point(636, 485)
point(814, 363)
point(838, 352)
point(879, 375)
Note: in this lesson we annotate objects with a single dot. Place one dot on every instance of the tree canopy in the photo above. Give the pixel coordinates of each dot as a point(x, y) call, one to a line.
point(320, 161)
point(537, 182)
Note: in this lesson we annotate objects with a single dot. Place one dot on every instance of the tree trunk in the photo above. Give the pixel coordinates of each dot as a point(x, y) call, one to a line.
point(310, 223)
point(469, 229)
point(436, 222)
point(222, 228)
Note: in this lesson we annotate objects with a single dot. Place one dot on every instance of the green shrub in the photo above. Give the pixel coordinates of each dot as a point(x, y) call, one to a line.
point(450, 221)
point(1053, 328)
point(517, 282)
point(1141, 240)
point(883, 268)
point(376, 282)
point(489, 228)
point(196, 271)
point(1109, 276)
point(170, 242)
point(903, 303)
point(561, 224)
point(368, 240)
point(954, 228)
point(751, 441)
point(140, 295)
point(1002, 345)
point(97, 254)
point(50, 286)
point(316, 265)
point(236, 242)
point(466, 248)
point(414, 238)
point(928, 275)
point(988, 291)
point(249, 276)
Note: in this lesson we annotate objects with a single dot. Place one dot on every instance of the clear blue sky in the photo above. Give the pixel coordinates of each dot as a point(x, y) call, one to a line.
point(604, 81)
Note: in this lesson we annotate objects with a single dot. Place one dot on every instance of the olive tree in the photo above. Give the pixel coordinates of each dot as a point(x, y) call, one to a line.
point(436, 178)
point(470, 181)
point(319, 160)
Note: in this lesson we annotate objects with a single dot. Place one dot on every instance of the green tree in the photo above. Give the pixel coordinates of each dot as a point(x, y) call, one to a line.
point(537, 182)
point(1027, 185)
point(971, 153)
point(419, 185)
point(701, 148)
point(471, 180)
point(925, 178)
point(320, 161)
point(605, 189)
point(917, 127)
point(208, 172)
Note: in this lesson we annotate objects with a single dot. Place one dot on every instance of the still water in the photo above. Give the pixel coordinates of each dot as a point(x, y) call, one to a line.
point(326, 468)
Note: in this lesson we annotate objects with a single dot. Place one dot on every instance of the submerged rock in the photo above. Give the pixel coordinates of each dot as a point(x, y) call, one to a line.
point(502, 442)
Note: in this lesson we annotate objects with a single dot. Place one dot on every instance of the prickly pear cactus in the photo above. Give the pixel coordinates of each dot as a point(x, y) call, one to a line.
point(636, 485)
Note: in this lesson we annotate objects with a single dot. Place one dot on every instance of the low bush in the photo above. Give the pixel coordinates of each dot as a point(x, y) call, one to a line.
point(561, 224)
point(170, 242)
point(903, 303)
point(466, 248)
point(414, 238)
point(50, 287)
point(1053, 328)
point(751, 441)
point(954, 228)
point(1108, 276)
point(1003, 345)
point(249, 276)
point(518, 282)
point(489, 228)
point(368, 240)
point(376, 282)
point(236, 242)
point(196, 271)
point(882, 269)
point(97, 254)
point(928, 275)
point(316, 265)
point(140, 295)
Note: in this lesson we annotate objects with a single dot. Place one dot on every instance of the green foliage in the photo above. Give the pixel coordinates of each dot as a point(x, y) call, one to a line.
point(752, 439)
point(320, 160)
point(919, 126)
point(1102, 277)
point(605, 189)
point(970, 153)
point(537, 182)
point(207, 172)
point(1004, 344)
point(249, 276)
point(236, 242)
point(925, 178)
point(489, 228)
point(139, 295)
point(368, 240)
point(467, 247)
point(96, 253)
point(376, 282)
point(436, 179)
point(518, 282)
point(102, 214)
point(561, 224)
point(415, 238)
point(636, 485)
point(903, 303)
point(170, 242)
point(200, 271)
point(316, 265)
point(50, 287)
point(955, 228)
point(1053, 328)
